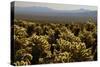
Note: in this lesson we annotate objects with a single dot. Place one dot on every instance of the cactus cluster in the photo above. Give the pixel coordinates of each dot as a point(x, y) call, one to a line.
point(45, 43)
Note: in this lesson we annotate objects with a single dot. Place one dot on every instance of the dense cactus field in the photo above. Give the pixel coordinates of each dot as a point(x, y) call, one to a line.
point(47, 43)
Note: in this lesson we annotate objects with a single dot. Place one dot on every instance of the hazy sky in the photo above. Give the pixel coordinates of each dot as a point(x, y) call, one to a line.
point(54, 6)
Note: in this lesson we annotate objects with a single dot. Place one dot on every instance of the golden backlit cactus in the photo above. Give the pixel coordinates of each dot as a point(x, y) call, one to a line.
point(43, 43)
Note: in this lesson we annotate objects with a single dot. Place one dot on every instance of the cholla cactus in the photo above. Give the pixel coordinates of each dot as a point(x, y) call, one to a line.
point(23, 57)
point(62, 57)
point(20, 32)
point(69, 36)
point(54, 43)
point(41, 42)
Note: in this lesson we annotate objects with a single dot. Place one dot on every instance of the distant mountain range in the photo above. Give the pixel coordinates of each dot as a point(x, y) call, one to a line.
point(38, 9)
point(45, 11)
